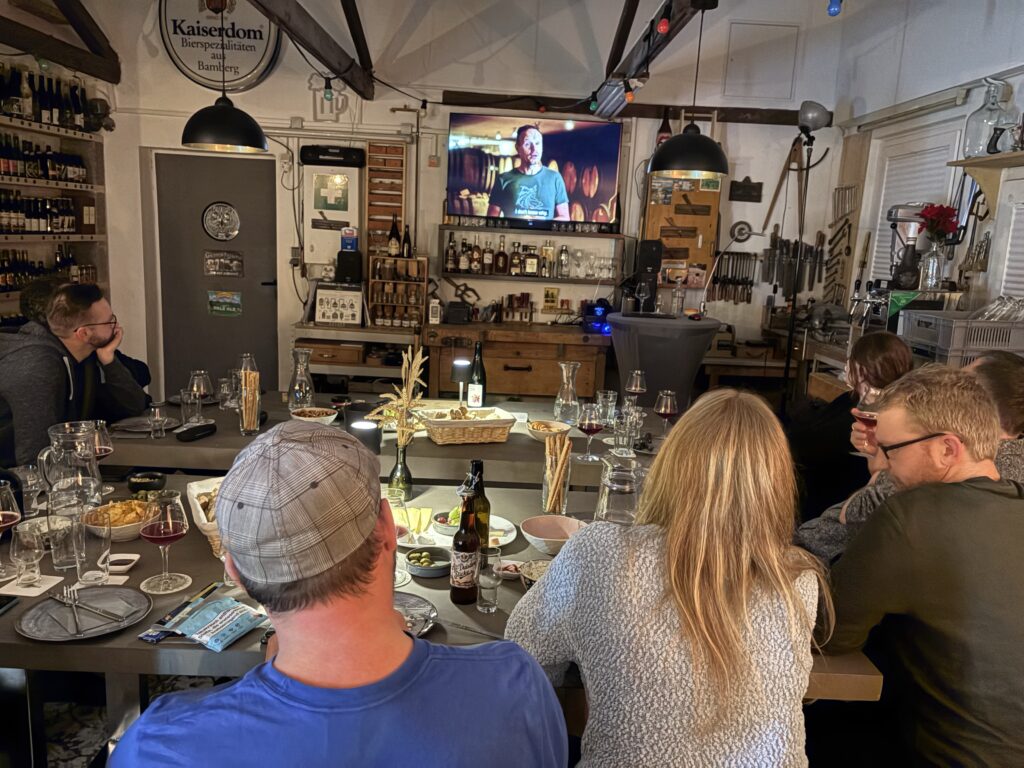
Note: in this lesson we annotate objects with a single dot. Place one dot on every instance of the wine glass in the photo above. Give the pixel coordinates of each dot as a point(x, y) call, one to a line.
point(104, 447)
point(636, 385)
point(666, 407)
point(10, 516)
point(157, 420)
point(27, 549)
point(199, 383)
point(590, 424)
point(165, 524)
point(642, 294)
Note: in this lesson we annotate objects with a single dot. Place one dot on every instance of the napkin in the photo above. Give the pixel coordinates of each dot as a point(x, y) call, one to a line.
point(45, 584)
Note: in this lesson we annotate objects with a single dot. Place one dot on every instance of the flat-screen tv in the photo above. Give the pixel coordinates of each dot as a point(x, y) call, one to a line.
point(533, 170)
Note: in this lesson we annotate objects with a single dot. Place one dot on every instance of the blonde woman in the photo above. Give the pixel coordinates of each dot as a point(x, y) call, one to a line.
point(691, 629)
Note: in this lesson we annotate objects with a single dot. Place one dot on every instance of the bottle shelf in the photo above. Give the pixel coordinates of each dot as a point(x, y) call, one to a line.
point(47, 130)
point(69, 186)
point(495, 232)
point(527, 278)
point(397, 282)
point(53, 238)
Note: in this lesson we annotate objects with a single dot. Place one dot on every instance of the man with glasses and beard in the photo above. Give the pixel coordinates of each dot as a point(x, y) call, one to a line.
point(68, 371)
point(939, 562)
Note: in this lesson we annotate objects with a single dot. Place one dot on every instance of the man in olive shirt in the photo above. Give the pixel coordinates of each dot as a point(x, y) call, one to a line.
point(941, 562)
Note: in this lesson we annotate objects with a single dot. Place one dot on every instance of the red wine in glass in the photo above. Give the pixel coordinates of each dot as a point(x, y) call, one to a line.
point(590, 428)
point(163, 533)
point(868, 419)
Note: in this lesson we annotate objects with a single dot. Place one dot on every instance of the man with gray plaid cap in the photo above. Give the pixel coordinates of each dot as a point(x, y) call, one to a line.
point(308, 536)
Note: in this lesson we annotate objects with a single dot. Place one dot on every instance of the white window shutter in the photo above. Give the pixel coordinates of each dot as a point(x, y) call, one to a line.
point(913, 177)
point(1013, 276)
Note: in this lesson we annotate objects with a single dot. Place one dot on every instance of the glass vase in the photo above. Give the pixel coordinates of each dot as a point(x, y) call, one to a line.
point(931, 269)
point(300, 389)
point(985, 132)
point(400, 478)
point(567, 405)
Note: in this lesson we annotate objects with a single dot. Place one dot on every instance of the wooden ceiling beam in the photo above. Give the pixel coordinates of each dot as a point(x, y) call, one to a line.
point(355, 26)
point(304, 30)
point(755, 115)
point(621, 33)
point(40, 44)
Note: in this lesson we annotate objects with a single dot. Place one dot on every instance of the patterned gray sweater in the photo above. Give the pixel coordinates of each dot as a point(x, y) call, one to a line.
point(827, 537)
point(602, 605)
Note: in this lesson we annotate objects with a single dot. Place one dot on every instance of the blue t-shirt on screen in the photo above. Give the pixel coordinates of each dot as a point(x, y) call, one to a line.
point(444, 706)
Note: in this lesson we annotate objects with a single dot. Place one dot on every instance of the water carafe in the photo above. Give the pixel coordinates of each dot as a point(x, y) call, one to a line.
point(621, 484)
point(300, 390)
point(567, 405)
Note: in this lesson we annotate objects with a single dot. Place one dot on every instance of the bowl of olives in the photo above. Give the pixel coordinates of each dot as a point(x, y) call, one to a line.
point(429, 562)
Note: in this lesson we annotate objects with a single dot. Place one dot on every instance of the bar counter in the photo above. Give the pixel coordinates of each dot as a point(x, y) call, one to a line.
point(122, 658)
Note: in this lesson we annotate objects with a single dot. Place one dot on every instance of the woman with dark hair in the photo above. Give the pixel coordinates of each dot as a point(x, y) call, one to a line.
point(827, 470)
point(1001, 374)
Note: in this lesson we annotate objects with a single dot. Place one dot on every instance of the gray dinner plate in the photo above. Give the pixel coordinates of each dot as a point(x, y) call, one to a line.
point(207, 400)
point(141, 424)
point(54, 622)
point(419, 612)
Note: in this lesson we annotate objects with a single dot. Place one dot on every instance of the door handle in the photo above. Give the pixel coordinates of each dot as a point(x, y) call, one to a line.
point(525, 368)
point(269, 283)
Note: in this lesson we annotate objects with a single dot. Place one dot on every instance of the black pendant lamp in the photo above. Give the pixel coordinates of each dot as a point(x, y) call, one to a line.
point(690, 154)
point(223, 127)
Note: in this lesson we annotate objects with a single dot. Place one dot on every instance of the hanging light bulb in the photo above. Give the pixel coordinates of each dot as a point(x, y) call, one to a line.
point(328, 91)
point(223, 127)
point(593, 101)
point(628, 92)
point(666, 18)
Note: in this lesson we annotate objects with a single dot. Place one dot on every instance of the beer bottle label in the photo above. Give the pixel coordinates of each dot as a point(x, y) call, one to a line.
point(475, 395)
point(465, 566)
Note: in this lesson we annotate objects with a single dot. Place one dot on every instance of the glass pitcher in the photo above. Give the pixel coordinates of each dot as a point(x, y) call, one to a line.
point(621, 483)
point(300, 390)
point(567, 405)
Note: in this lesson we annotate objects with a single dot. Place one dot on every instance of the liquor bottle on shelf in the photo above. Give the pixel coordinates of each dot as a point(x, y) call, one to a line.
point(465, 556)
point(406, 244)
point(476, 390)
point(77, 107)
point(464, 257)
point(476, 257)
point(451, 259)
point(563, 262)
point(394, 237)
point(515, 262)
point(488, 259)
point(50, 108)
point(501, 258)
point(531, 262)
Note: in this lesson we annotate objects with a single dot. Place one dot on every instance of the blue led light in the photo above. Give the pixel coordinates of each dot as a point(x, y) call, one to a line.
point(835, 7)
point(606, 329)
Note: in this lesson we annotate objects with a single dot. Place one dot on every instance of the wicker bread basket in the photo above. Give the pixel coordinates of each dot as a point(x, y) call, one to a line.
point(208, 527)
point(492, 425)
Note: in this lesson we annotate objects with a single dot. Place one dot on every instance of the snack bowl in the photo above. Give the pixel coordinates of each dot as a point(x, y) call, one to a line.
point(441, 562)
point(548, 533)
point(315, 415)
point(439, 522)
point(531, 571)
point(541, 430)
point(146, 481)
point(510, 570)
point(127, 532)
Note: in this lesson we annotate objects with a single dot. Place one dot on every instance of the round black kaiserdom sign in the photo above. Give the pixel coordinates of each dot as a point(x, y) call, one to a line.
point(192, 38)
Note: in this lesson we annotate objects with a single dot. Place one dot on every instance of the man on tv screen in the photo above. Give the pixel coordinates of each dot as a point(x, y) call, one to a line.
point(530, 191)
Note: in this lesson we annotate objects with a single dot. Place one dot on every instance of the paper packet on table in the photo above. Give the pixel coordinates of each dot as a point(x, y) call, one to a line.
point(215, 622)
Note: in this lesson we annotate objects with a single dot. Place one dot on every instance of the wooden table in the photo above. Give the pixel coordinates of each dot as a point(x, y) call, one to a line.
point(122, 658)
point(516, 463)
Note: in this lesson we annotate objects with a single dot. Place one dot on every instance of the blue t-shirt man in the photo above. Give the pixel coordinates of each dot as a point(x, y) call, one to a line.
point(444, 706)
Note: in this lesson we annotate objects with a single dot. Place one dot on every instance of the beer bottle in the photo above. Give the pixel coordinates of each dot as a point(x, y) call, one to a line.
point(465, 556)
point(481, 506)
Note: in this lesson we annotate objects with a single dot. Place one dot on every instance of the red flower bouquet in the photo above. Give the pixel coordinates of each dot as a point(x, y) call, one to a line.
point(940, 221)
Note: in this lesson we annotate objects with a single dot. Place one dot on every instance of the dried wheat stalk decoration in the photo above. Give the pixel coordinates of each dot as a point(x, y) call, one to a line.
point(401, 403)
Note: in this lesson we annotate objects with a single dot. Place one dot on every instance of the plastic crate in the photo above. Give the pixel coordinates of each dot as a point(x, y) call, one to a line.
point(948, 331)
point(958, 358)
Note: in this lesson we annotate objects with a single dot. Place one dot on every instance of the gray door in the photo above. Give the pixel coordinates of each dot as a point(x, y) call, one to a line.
point(242, 316)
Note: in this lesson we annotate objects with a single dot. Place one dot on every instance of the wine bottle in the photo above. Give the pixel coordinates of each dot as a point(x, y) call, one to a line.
point(464, 257)
point(481, 506)
point(501, 258)
point(51, 109)
point(394, 237)
point(488, 259)
point(406, 244)
point(476, 391)
point(77, 108)
point(451, 259)
point(476, 257)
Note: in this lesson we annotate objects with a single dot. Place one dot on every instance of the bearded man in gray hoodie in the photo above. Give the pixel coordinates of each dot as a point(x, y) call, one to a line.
point(56, 374)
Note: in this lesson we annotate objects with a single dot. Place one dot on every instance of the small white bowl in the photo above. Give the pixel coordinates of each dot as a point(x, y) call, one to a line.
point(122, 533)
point(556, 427)
point(548, 533)
point(322, 415)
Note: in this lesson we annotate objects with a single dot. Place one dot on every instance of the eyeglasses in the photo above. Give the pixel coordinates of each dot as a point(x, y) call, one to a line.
point(112, 321)
point(887, 449)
